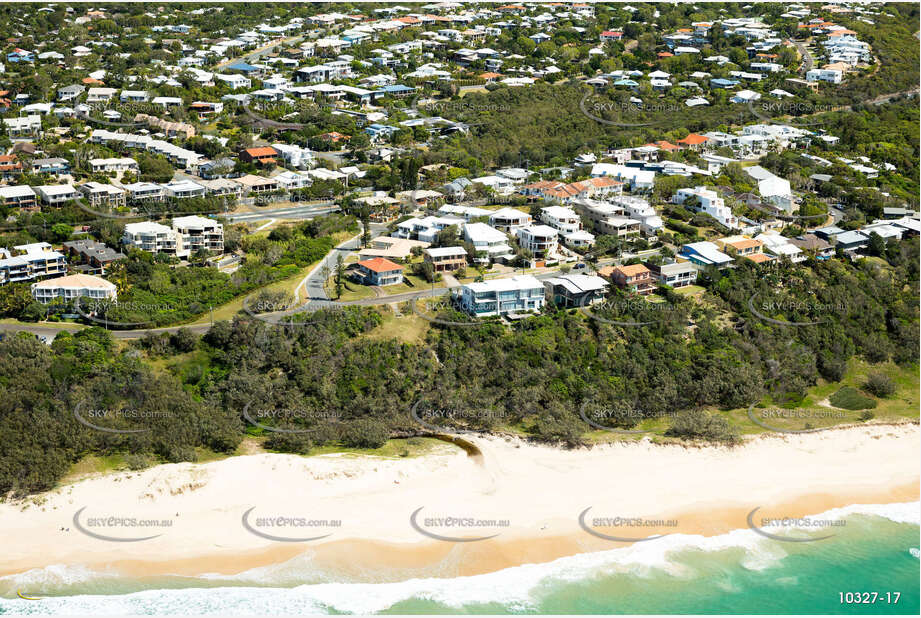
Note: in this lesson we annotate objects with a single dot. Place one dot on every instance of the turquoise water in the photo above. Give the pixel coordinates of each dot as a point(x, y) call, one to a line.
point(739, 572)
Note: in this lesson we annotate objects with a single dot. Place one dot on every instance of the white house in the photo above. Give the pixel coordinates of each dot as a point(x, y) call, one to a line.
point(523, 293)
point(709, 203)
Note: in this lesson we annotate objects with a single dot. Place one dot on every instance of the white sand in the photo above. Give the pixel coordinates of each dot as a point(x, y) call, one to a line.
point(540, 490)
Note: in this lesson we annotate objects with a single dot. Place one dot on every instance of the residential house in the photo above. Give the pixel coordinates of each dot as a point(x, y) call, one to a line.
point(524, 293)
point(56, 194)
point(508, 220)
point(541, 240)
point(575, 290)
point(675, 274)
point(379, 271)
point(634, 278)
point(116, 164)
point(705, 253)
point(90, 256)
point(261, 155)
point(445, 259)
point(489, 243)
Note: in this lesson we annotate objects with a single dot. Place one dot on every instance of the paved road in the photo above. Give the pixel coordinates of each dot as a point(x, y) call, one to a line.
point(315, 281)
point(308, 211)
point(808, 62)
point(257, 53)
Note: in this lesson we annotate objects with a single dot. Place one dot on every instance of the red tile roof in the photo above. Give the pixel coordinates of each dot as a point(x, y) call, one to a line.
point(380, 265)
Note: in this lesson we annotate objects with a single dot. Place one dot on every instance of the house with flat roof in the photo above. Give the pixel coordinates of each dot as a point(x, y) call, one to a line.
point(18, 196)
point(675, 275)
point(98, 193)
point(57, 194)
point(508, 220)
point(524, 293)
point(851, 241)
point(445, 259)
point(541, 240)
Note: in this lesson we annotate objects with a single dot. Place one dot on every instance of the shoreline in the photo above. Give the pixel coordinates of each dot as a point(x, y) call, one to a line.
point(540, 491)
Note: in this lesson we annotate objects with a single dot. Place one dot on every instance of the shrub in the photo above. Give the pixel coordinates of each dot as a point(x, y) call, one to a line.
point(879, 384)
point(866, 415)
point(364, 433)
point(697, 424)
point(849, 398)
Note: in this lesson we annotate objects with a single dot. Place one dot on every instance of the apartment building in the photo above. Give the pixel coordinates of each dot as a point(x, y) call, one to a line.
point(199, 233)
point(708, 202)
point(152, 237)
point(72, 287)
point(115, 164)
point(523, 293)
point(446, 259)
point(145, 191)
point(98, 193)
point(31, 261)
point(57, 194)
point(560, 218)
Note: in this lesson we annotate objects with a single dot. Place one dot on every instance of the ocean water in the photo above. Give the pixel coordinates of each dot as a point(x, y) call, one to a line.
point(738, 572)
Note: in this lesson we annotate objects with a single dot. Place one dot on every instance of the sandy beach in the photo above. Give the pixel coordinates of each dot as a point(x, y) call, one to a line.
point(248, 511)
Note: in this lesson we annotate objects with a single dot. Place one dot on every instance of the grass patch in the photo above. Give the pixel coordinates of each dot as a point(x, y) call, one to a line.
point(397, 448)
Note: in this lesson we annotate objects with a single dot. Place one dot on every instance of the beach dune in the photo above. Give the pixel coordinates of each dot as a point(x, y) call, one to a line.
point(446, 513)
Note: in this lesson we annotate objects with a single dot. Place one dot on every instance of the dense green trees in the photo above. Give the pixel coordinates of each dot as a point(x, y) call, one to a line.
point(534, 377)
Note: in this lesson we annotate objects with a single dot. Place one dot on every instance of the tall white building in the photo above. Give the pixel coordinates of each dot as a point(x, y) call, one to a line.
point(709, 203)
